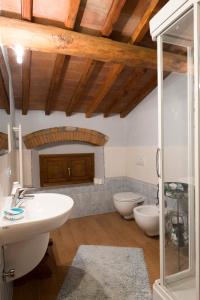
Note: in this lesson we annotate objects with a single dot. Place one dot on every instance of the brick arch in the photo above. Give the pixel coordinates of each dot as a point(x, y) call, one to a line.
point(3, 141)
point(64, 134)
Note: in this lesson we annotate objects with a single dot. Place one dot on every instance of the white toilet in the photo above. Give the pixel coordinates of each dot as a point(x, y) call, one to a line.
point(147, 218)
point(125, 202)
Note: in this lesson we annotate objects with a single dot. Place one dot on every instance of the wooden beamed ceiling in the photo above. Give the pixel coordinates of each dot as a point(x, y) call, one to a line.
point(110, 20)
point(141, 94)
point(101, 68)
point(136, 37)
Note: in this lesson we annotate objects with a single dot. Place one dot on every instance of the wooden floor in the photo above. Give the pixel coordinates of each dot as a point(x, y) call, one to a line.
point(108, 229)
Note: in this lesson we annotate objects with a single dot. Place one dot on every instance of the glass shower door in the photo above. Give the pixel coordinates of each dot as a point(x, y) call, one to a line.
point(177, 184)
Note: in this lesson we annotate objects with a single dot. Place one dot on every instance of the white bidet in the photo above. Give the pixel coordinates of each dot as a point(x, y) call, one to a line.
point(147, 218)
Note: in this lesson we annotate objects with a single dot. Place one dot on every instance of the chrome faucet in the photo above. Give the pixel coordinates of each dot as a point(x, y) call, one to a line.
point(19, 196)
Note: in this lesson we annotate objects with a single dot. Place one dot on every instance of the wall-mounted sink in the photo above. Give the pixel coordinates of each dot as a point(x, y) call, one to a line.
point(43, 213)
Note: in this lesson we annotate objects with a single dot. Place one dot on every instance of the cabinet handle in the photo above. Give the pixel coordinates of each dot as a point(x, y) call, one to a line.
point(157, 162)
point(69, 171)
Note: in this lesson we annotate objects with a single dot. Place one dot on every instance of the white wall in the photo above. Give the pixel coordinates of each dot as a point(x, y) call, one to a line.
point(131, 148)
point(115, 161)
point(140, 163)
point(142, 133)
point(142, 122)
point(142, 140)
point(114, 128)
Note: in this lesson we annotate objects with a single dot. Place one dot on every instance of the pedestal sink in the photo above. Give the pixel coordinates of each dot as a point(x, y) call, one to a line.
point(25, 241)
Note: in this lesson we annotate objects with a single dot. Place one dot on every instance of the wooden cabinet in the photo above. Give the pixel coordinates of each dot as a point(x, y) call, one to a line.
point(64, 169)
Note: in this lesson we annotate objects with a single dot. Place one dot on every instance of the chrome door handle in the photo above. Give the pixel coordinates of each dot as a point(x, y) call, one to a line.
point(69, 171)
point(157, 162)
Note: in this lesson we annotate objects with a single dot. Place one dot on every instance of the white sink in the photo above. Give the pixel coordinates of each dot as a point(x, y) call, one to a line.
point(25, 241)
point(43, 213)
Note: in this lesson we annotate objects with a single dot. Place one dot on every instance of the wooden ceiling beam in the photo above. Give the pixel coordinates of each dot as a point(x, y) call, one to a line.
point(55, 82)
point(86, 73)
point(3, 94)
point(124, 90)
point(73, 11)
point(140, 96)
point(113, 74)
point(26, 14)
point(112, 17)
point(26, 78)
point(59, 65)
point(143, 25)
point(27, 9)
point(56, 40)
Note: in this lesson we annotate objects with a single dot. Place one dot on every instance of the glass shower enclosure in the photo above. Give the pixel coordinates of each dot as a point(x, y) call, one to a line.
point(176, 29)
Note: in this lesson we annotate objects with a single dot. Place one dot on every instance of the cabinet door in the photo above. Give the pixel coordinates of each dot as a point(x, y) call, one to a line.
point(65, 169)
point(81, 168)
point(53, 170)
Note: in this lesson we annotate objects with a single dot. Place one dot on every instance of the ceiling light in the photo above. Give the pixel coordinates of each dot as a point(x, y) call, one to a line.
point(19, 59)
point(19, 51)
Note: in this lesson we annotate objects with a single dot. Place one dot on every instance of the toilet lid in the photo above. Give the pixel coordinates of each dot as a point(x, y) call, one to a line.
point(128, 196)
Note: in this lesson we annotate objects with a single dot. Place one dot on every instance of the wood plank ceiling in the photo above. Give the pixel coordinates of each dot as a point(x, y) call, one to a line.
point(52, 81)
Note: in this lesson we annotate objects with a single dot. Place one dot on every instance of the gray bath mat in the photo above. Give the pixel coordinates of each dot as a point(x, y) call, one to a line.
point(101, 272)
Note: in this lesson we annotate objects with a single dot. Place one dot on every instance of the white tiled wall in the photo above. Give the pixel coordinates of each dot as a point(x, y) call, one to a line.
point(90, 199)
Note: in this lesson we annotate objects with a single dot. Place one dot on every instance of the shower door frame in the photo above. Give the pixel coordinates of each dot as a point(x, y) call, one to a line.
point(195, 5)
point(160, 41)
point(197, 139)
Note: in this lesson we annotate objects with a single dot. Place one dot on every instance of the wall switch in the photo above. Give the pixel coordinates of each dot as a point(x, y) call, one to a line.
point(140, 161)
point(8, 172)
